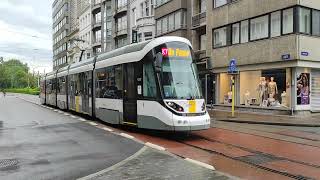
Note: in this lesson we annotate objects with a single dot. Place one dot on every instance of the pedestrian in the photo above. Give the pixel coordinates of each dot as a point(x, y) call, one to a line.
point(4, 92)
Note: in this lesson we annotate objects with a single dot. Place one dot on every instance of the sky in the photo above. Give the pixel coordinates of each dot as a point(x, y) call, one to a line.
point(26, 32)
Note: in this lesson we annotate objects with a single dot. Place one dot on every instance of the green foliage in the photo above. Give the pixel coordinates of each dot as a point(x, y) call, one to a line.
point(15, 74)
point(32, 91)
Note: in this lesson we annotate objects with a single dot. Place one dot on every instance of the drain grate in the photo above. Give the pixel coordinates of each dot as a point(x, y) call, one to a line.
point(7, 164)
point(258, 158)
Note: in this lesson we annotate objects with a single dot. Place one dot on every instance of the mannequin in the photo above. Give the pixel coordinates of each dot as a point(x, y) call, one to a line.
point(262, 89)
point(272, 88)
point(284, 99)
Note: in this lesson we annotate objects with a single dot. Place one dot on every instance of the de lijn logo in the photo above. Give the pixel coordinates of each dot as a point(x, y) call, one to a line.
point(233, 66)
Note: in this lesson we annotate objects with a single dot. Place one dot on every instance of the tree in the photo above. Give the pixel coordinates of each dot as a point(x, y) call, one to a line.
point(15, 74)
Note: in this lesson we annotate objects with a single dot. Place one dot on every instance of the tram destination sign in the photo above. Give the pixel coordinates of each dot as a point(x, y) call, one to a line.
point(171, 52)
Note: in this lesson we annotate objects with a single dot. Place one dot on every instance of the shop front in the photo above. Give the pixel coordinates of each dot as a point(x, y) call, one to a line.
point(257, 89)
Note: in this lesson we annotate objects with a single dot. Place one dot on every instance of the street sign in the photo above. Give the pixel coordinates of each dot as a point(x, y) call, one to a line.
point(304, 53)
point(286, 57)
point(232, 69)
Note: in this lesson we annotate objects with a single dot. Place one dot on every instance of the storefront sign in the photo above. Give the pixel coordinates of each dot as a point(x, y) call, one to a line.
point(303, 89)
point(286, 57)
point(170, 52)
point(304, 53)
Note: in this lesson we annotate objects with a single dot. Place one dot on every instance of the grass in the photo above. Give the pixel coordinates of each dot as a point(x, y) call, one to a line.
point(32, 91)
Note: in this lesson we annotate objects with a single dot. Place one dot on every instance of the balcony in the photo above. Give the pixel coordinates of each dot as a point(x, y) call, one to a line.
point(96, 25)
point(120, 11)
point(121, 32)
point(96, 42)
point(199, 20)
point(200, 55)
point(96, 7)
point(145, 21)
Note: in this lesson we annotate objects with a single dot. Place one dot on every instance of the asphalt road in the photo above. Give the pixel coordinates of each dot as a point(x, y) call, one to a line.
point(38, 143)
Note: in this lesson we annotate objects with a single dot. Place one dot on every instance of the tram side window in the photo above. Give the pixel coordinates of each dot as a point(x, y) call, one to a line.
point(109, 82)
point(149, 81)
point(61, 87)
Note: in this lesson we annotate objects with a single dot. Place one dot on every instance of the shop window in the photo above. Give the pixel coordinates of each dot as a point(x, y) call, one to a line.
point(266, 88)
point(244, 31)
point(303, 89)
point(259, 28)
point(220, 37)
point(316, 23)
point(276, 24)
point(225, 88)
point(287, 21)
point(304, 20)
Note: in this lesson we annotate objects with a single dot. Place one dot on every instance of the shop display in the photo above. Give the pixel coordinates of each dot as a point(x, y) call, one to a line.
point(284, 99)
point(303, 89)
point(247, 100)
point(262, 90)
point(272, 88)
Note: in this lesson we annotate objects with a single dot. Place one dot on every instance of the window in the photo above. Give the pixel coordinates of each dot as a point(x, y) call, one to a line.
point(97, 36)
point(244, 31)
point(147, 7)
point(97, 17)
point(220, 37)
point(152, 8)
point(276, 24)
point(160, 2)
point(171, 22)
point(149, 81)
point(235, 33)
point(177, 20)
point(134, 18)
point(304, 20)
point(108, 29)
point(259, 28)
point(202, 6)
point(203, 42)
point(109, 82)
point(164, 25)
point(287, 23)
point(159, 27)
point(218, 3)
point(316, 23)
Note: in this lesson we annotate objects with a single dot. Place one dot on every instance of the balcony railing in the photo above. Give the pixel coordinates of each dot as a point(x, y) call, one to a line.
point(121, 32)
point(199, 19)
point(145, 21)
point(200, 55)
point(96, 24)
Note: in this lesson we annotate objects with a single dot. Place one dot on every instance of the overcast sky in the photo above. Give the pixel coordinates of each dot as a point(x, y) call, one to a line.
point(26, 32)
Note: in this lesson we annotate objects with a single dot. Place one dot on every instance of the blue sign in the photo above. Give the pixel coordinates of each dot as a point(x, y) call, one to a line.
point(286, 57)
point(304, 53)
point(233, 66)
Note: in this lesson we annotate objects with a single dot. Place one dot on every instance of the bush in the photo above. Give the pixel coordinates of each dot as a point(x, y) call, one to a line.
point(32, 91)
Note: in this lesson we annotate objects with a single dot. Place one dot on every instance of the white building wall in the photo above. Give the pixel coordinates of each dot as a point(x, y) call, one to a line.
point(141, 14)
point(85, 32)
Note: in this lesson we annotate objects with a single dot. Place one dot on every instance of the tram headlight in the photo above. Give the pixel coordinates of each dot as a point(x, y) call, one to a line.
point(203, 107)
point(175, 106)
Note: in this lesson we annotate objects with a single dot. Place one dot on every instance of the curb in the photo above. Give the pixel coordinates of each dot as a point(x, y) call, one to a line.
point(267, 123)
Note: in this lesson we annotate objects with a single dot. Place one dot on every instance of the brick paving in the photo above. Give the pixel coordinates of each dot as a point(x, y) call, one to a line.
point(255, 118)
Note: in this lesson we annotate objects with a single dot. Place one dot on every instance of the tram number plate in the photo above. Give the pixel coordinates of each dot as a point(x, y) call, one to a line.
point(192, 106)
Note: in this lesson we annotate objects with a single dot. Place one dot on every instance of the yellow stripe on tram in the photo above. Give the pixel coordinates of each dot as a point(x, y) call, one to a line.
point(77, 104)
point(192, 106)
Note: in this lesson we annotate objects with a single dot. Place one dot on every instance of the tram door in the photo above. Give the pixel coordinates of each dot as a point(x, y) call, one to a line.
point(129, 95)
point(85, 92)
point(72, 91)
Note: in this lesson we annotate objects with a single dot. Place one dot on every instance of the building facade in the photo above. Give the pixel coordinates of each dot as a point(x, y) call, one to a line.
point(274, 46)
point(60, 27)
point(173, 18)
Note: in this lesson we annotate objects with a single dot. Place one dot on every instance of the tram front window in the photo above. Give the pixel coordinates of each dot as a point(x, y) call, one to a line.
point(179, 74)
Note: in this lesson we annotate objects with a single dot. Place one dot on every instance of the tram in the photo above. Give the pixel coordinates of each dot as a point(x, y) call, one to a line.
point(150, 85)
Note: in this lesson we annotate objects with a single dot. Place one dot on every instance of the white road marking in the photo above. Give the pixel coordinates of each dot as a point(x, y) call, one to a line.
point(73, 116)
point(66, 114)
point(83, 120)
point(107, 129)
point(126, 135)
point(97, 174)
point(201, 164)
point(154, 146)
point(93, 123)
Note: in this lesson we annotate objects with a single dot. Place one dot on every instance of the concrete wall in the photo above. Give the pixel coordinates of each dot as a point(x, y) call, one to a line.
point(309, 44)
point(264, 51)
point(310, 3)
point(169, 7)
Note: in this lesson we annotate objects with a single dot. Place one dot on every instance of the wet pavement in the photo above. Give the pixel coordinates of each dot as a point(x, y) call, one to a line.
point(38, 142)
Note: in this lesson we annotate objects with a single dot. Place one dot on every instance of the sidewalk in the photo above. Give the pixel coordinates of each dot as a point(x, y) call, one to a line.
point(255, 118)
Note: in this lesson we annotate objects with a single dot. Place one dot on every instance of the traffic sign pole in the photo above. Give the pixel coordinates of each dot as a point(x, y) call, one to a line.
point(233, 96)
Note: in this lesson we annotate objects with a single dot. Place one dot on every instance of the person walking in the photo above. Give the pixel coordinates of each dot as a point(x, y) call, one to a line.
point(4, 92)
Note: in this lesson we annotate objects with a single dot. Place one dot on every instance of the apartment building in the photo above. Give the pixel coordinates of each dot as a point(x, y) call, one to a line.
point(274, 45)
point(60, 29)
point(173, 18)
point(84, 42)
